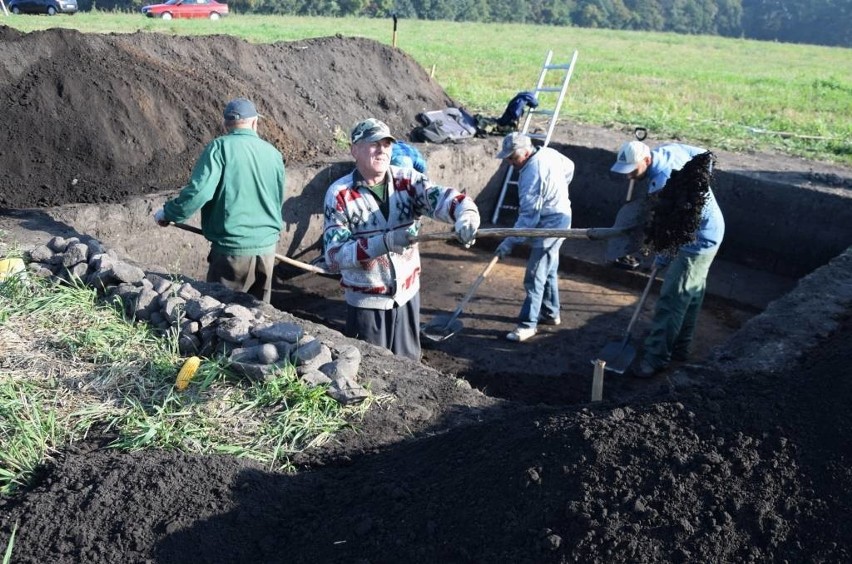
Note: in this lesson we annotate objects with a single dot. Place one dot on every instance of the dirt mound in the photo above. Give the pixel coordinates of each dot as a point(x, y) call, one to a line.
point(99, 118)
point(756, 470)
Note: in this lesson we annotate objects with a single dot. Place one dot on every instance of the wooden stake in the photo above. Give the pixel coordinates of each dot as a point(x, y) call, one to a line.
point(597, 380)
point(432, 72)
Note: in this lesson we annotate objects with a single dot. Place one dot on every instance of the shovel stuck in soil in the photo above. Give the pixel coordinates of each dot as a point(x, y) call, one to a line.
point(442, 327)
point(619, 354)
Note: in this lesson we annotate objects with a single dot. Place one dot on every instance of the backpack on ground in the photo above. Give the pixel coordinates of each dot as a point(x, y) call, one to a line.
point(450, 125)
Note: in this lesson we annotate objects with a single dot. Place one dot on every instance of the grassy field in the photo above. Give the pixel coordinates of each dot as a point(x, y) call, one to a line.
point(722, 93)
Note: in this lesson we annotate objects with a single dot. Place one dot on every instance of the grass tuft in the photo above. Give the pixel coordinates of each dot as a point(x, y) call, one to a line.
point(71, 366)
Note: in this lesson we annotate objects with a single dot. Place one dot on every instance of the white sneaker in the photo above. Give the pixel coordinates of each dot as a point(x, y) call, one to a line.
point(521, 334)
point(550, 321)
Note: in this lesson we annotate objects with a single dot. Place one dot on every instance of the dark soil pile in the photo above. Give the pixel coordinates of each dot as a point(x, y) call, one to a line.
point(751, 468)
point(99, 118)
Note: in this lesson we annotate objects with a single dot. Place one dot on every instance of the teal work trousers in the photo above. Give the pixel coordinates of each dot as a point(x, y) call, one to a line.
point(677, 309)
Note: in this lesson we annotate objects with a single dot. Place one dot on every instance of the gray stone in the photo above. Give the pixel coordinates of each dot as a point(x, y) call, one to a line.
point(196, 308)
point(95, 248)
point(75, 254)
point(238, 311)
point(101, 261)
point(188, 344)
point(78, 271)
point(158, 283)
point(127, 272)
point(274, 332)
point(57, 244)
point(187, 292)
point(173, 309)
point(143, 305)
point(347, 391)
point(267, 354)
point(234, 330)
point(315, 378)
point(42, 253)
point(345, 365)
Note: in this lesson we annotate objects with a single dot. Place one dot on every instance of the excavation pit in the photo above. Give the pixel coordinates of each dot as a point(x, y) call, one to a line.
point(598, 299)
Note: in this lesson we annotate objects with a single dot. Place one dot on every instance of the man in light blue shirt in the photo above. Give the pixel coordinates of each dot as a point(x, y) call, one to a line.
point(543, 179)
point(684, 285)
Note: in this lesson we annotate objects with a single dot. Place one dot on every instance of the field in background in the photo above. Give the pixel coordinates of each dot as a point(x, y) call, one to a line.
point(718, 92)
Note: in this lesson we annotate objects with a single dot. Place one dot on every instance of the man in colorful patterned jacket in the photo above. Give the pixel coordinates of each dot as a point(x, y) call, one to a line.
point(370, 215)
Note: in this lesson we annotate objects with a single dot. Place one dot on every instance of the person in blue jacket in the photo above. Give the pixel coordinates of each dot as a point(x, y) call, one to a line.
point(682, 292)
point(405, 155)
point(543, 179)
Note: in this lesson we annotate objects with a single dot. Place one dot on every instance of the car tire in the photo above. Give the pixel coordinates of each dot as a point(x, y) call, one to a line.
point(166, 16)
point(51, 11)
point(214, 16)
point(16, 11)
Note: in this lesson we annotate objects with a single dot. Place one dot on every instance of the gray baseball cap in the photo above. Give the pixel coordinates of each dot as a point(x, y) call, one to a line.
point(370, 130)
point(514, 142)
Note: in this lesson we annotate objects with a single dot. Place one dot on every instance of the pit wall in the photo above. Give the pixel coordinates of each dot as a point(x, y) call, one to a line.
point(770, 227)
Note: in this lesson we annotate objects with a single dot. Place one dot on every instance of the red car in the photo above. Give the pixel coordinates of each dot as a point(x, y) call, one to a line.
point(186, 9)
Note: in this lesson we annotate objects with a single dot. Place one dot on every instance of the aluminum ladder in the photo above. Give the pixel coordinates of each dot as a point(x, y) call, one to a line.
point(543, 86)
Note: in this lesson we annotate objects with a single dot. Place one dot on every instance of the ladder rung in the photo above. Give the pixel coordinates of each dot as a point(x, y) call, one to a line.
point(549, 89)
point(537, 135)
point(541, 112)
point(564, 66)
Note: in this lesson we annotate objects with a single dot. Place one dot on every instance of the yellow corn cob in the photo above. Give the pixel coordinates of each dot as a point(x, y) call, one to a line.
point(187, 371)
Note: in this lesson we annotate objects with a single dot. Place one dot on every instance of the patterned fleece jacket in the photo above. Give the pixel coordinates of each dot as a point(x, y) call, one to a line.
point(354, 224)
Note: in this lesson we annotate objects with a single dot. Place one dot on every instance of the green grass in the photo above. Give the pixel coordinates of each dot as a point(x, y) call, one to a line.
point(71, 366)
point(722, 93)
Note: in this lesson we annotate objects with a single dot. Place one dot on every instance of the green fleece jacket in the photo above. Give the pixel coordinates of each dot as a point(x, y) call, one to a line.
point(238, 184)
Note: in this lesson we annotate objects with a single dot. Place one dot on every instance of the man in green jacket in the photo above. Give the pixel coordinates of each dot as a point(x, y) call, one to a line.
point(238, 184)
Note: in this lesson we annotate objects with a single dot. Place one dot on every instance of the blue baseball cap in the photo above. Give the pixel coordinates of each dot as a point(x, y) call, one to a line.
point(240, 108)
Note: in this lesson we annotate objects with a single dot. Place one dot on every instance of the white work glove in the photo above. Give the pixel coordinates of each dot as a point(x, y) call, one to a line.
point(396, 241)
point(160, 218)
point(504, 249)
point(466, 226)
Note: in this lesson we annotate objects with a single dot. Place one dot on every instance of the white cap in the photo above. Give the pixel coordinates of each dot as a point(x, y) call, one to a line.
point(629, 156)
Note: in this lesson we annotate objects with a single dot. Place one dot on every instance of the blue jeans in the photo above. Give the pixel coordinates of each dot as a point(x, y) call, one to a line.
point(541, 284)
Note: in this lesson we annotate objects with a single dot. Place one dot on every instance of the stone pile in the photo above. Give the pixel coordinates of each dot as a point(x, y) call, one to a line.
point(255, 346)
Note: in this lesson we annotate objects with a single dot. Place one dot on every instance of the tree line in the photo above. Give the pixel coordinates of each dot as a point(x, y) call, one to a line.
point(819, 22)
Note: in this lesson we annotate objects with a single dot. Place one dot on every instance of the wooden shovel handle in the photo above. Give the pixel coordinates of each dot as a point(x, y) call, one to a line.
point(593, 233)
point(642, 299)
point(473, 288)
point(280, 258)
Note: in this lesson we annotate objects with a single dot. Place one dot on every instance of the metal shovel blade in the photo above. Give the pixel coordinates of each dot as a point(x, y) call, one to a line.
point(441, 328)
point(618, 356)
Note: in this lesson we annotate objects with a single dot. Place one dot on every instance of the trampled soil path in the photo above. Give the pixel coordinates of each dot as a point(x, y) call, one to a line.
point(749, 468)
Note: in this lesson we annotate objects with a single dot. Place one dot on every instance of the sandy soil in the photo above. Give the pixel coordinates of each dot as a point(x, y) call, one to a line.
point(747, 468)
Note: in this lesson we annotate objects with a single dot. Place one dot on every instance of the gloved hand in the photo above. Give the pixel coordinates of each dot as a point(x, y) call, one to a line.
point(160, 218)
point(466, 226)
point(396, 241)
point(504, 249)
